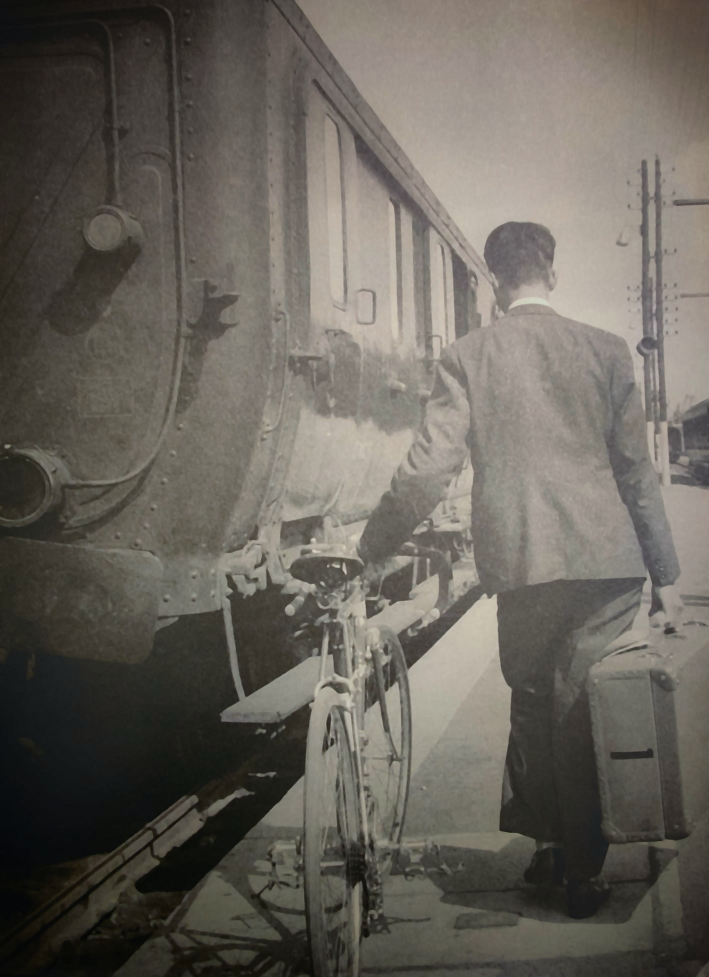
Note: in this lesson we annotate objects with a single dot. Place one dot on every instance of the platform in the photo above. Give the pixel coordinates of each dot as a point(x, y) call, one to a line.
point(471, 911)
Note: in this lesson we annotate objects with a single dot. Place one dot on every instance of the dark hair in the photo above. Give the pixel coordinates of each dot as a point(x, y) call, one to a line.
point(520, 252)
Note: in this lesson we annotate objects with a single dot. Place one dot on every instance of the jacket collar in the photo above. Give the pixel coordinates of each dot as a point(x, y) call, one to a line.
point(530, 309)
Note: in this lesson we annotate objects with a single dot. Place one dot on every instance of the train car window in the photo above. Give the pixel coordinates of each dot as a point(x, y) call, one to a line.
point(335, 191)
point(396, 284)
point(439, 294)
point(421, 279)
point(465, 297)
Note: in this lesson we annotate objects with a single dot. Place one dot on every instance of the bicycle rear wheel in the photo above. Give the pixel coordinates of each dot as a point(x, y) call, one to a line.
point(334, 857)
point(387, 726)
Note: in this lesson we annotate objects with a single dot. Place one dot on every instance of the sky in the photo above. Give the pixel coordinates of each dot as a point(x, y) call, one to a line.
point(543, 110)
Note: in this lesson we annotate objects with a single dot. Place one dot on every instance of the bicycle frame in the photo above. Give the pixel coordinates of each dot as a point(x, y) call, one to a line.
point(350, 687)
point(355, 666)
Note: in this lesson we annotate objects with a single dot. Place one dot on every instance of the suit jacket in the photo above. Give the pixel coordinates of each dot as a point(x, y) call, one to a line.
point(564, 488)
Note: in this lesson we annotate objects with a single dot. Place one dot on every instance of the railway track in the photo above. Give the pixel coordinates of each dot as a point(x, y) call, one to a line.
point(70, 914)
point(75, 909)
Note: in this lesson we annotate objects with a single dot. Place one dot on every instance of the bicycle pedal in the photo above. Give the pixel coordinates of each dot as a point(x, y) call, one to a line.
point(286, 862)
point(415, 858)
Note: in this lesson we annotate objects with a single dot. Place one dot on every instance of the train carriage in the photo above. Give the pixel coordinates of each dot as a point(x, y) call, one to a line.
point(223, 291)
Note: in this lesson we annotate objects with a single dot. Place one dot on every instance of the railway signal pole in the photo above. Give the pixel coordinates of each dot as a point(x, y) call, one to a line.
point(664, 447)
point(652, 345)
point(653, 368)
point(646, 303)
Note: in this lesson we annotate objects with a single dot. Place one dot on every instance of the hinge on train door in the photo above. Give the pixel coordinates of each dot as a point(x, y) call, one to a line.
point(304, 360)
point(215, 300)
point(299, 357)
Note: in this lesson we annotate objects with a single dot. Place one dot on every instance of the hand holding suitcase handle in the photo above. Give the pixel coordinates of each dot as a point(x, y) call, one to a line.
point(666, 609)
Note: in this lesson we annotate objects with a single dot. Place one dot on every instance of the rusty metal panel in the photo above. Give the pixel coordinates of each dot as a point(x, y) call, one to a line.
point(148, 365)
point(199, 477)
point(88, 337)
point(78, 602)
point(289, 320)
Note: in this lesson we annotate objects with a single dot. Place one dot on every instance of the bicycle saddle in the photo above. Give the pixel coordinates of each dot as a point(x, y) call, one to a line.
point(327, 559)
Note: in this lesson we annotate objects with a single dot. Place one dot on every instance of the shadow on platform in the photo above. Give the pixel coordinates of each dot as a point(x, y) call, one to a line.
point(492, 881)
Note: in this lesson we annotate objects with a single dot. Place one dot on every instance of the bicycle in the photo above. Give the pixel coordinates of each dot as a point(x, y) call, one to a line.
point(358, 763)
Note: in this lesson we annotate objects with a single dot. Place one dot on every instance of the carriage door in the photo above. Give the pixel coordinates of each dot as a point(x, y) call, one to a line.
point(441, 311)
point(327, 451)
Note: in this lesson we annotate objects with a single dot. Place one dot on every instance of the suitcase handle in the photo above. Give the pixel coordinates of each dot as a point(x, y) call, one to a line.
point(637, 640)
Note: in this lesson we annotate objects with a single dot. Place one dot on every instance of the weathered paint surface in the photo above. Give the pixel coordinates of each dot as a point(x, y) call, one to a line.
point(214, 363)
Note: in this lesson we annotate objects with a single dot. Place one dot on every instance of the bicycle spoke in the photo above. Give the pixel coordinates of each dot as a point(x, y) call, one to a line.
point(387, 753)
point(332, 837)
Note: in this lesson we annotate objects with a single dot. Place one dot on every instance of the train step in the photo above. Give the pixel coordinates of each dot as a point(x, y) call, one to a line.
point(280, 698)
point(291, 691)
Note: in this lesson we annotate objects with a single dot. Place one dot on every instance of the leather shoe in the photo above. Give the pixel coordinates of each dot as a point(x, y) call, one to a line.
point(584, 899)
point(546, 867)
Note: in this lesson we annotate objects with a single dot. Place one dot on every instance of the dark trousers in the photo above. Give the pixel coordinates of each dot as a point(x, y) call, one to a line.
point(550, 635)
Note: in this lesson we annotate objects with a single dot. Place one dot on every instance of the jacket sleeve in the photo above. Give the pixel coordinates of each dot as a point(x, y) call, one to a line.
point(635, 475)
point(435, 457)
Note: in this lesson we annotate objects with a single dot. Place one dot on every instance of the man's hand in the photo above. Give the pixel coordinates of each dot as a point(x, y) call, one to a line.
point(666, 609)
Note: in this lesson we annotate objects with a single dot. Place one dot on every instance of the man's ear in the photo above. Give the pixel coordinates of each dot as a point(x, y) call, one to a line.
point(553, 279)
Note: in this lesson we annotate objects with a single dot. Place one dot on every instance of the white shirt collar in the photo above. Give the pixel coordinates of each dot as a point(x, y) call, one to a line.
point(529, 301)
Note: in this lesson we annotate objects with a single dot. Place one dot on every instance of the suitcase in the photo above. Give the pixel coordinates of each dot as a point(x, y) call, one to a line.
point(650, 720)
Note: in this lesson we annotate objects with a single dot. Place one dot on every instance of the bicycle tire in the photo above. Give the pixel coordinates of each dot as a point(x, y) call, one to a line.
point(388, 764)
point(333, 850)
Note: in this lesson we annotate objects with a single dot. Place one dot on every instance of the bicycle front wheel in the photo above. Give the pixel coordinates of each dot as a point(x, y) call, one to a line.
point(387, 726)
point(334, 855)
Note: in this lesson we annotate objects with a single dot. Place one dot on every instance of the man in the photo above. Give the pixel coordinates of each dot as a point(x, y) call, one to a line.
point(567, 517)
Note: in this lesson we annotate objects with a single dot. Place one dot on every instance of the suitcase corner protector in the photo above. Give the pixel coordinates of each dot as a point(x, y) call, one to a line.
point(667, 678)
point(681, 829)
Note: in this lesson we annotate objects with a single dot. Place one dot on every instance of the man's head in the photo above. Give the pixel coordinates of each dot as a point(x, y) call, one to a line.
point(520, 256)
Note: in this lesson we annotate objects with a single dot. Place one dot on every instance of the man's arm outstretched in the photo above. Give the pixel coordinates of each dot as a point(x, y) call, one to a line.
point(435, 457)
point(640, 489)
